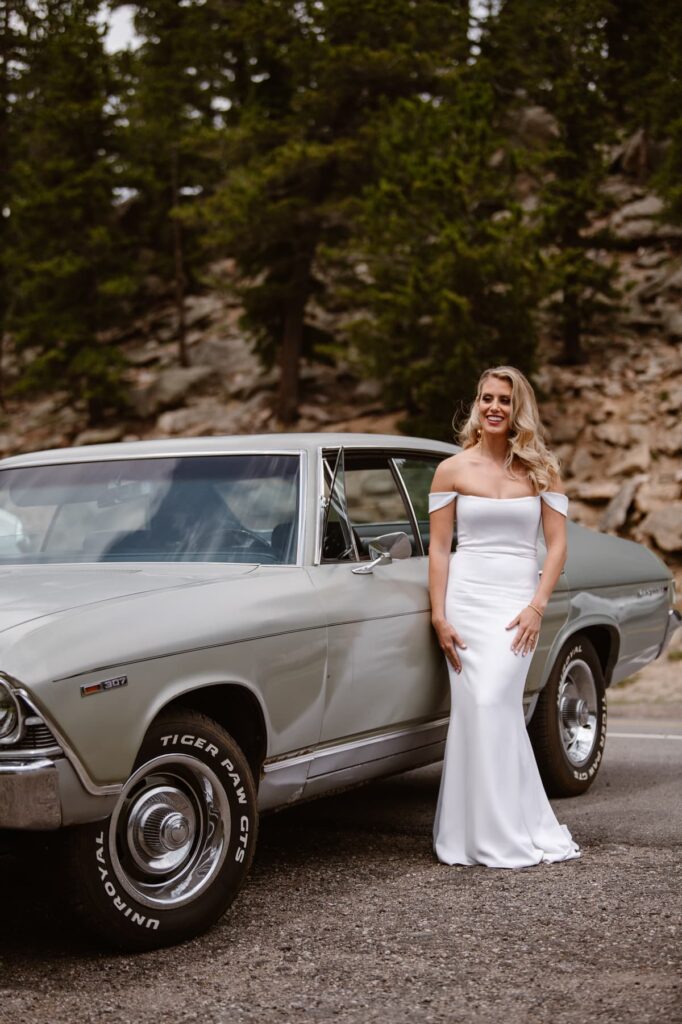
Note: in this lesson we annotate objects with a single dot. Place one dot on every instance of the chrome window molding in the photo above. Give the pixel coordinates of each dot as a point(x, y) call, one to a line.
point(170, 454)
point(407, 501)
point(302, 517)
point(138, 457)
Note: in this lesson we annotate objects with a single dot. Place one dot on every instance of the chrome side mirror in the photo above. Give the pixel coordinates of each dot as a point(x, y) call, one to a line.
point(382, 551)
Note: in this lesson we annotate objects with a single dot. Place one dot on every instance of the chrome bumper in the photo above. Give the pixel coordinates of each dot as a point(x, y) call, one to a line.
point(29, 795)
point(674, 622)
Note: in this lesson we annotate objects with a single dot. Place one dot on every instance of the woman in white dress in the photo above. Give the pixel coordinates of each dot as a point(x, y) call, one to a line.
point(487, 603)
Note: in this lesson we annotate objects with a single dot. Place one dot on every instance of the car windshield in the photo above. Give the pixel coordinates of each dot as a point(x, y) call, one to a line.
point(215, 508)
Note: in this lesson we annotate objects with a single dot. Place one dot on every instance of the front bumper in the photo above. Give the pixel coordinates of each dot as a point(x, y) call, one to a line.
point(674, 622)
point(29, 795)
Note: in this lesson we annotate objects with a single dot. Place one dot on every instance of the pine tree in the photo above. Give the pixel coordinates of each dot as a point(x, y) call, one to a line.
point(553, 54)
point(61, 246)
point(446, 268)
point(313, 82)
point(171, 84)
point(12, 67)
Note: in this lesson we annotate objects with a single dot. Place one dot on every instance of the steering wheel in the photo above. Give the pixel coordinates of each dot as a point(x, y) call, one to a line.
point(256, 543)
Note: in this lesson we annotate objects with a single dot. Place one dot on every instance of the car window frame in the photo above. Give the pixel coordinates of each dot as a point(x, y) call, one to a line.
point(390, 454)
point(299, 453)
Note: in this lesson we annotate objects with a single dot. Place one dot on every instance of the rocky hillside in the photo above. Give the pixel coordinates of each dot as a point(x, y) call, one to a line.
point(614, 422)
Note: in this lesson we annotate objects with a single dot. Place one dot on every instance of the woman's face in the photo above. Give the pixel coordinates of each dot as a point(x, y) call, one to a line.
point(494, 407)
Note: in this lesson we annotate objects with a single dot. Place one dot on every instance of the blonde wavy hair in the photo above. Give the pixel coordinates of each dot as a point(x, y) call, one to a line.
point(526, 433)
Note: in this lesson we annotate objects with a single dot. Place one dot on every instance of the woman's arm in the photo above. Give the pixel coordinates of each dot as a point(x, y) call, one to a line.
point(554, 529)
point(530, 619)
point(440, 548)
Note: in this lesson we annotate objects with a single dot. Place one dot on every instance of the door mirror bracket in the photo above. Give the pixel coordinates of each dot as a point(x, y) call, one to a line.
point(382, 551)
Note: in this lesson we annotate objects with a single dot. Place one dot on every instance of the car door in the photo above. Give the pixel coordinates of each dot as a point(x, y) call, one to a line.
point(386, 682)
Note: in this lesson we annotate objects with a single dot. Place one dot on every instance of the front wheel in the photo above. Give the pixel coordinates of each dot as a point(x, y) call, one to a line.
point(568, 727)
point(173, 854)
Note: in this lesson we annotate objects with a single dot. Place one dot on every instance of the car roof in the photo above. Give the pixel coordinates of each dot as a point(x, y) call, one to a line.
point(225, 444)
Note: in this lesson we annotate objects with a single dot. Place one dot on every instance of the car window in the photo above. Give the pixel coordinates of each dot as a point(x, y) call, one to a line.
point(417, 475)
point(374, 504)
point(222, 508)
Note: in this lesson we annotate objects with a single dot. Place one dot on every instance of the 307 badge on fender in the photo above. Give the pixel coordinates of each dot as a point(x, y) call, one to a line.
point(104, 685)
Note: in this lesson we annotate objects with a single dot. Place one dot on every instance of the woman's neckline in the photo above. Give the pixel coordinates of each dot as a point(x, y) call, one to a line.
point(486, 497)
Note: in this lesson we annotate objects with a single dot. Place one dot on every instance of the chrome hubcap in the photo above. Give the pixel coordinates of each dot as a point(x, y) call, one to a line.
point(161, 828)
point(170, 831)
point(578, 706)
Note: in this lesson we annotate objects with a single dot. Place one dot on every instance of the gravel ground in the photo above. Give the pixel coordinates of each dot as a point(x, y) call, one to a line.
point(347, 917)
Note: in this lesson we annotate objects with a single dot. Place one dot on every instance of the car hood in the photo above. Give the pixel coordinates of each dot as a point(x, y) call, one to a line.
point(33, 592)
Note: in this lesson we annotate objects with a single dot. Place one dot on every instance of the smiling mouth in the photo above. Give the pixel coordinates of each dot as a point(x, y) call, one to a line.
point(494, 419)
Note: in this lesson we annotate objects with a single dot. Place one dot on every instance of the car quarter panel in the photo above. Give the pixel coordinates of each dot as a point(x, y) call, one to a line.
point(621, 588)
point(264, 630)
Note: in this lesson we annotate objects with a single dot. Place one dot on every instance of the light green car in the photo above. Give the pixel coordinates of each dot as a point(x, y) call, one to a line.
point(196, 631)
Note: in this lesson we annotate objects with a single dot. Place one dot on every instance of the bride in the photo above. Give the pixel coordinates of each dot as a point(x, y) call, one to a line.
point(487, 603)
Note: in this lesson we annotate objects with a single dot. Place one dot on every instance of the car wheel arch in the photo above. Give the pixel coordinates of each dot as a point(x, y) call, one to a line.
point(237, 709)
point(602, 633)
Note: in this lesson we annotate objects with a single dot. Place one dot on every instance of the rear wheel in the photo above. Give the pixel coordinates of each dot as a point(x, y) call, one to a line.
point(568, 728)
point(173, 854)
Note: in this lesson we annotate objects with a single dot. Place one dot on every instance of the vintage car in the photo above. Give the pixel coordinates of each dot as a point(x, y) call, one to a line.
point(196, 631)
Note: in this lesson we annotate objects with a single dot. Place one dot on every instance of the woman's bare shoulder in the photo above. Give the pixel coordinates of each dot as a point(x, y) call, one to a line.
point(448, 472)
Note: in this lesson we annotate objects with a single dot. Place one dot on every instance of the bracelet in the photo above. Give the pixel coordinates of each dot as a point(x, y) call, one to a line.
point(529, 605)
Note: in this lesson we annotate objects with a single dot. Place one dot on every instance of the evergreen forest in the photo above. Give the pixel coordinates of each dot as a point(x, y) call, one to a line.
point(422, 171)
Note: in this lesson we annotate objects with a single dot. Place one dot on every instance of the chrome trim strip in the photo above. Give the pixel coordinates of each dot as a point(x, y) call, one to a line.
point(15, 736)
point(71, 460)
point(319, 505)
point(30, 753)
point(17, 767)
point(405, 494)
point(333, 749)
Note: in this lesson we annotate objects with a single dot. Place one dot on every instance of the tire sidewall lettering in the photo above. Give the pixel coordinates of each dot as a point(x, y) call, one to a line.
point(137, 917)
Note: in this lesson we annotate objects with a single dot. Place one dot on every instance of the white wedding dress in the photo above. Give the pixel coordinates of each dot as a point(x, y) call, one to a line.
point(492, 807)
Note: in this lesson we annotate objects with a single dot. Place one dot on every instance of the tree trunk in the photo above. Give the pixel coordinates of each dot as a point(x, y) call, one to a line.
point(178, 257)
point(573, 353)
point(290, 357)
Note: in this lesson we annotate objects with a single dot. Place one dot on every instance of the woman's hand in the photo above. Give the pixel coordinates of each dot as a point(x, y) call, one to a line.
point(528, 621)
point(449, 640)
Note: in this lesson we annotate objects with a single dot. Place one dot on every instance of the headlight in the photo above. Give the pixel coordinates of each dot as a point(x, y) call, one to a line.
point(10, 715)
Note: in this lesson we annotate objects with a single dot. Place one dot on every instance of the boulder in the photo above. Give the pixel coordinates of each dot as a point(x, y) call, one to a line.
point(653, 494)
point(649, 206)
point(104, 435)
point(534, 126)
point(201, 308)
point(169, 389)
point(664, 526)
point(612, 433)
point(634, 460)
point(583, 464)
point(597, 491)
point(672, 323)
point(669, 441)
point(566, 427)
point(616, 512)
